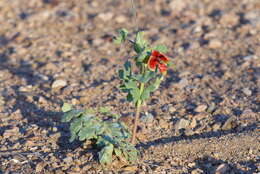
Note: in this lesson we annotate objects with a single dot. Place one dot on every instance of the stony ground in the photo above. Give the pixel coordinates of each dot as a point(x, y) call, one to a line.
point(203, 119)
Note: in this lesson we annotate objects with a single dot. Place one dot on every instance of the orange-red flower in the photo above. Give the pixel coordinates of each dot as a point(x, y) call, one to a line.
point(158, 59)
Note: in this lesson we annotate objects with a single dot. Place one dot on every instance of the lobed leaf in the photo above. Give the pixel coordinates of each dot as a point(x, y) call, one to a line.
point(122, 36)
point(161, 48)
point(66, 107)
point(104, 109)
point(140, 44)
point(105, 155)
point(71, 114)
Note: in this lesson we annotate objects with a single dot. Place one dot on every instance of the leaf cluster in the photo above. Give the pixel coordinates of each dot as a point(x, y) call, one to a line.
point(107, 133)
point(131, 81)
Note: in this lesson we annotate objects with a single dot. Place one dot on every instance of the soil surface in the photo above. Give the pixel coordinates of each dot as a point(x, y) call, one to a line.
point(203, 119)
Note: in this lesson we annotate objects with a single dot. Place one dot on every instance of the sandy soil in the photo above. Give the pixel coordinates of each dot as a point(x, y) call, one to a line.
point(203, 119)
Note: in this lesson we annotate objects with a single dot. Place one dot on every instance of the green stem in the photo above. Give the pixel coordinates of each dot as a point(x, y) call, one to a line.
point(138, 109)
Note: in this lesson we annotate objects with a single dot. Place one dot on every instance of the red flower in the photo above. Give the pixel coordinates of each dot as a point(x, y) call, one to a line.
point(158, 59)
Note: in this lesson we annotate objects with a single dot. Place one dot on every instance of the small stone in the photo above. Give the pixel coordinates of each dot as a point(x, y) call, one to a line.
point(247, 91)
point(42, 100)
point(177, 5)
point(106, 16)
point(147, 118)
point(58, 84)
point(39, 167)
point(222, 169)
point(183, 83)
point(130, 168)
point(216, 126)
point(182, 124)
point(197, 171)
point(11, 132)
point(163, 124)
point(201, 116)
point(229, 20)
point(230, 123)
point(55, 136)
point(68, 160)
point(193, 123)
point(25, 88)
point(121, 19)
point(191, 165)
point(201, 108)
point(172, 109)
point(214, 44)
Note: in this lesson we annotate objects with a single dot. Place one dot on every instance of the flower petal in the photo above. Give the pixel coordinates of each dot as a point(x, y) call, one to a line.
point(152, 62)
point(162, 67)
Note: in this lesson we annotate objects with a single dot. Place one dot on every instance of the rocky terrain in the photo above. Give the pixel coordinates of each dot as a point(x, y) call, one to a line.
point(203, 119)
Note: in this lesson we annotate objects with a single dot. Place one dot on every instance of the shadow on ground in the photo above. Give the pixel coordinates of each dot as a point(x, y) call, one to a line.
point(205, 135)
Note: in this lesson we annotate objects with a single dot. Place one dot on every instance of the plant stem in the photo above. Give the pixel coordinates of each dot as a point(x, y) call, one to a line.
point(137, 114)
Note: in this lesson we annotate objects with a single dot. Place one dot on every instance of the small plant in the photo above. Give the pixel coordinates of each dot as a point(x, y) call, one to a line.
point(151, 66)
point(103, 130)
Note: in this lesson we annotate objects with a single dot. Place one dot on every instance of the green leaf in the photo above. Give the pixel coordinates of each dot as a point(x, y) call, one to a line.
point(135, 94)
point(129, 97)
point(105, 155)
point(104, 109)
point(122, 36)
point(87, 133)
point(127, 66)
point(140, 44)
point(131, 84)
point(145, 94)
point(89, 111)
point(161, 48)
point(72, 137)
point(71, 114)
point(146, 77)
point(75, 126)
point(118, 153)
point(66, 107)
point(121, 74)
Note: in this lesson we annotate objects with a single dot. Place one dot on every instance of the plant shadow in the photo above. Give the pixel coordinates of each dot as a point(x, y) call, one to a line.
point(45, 119)
point(205, 135)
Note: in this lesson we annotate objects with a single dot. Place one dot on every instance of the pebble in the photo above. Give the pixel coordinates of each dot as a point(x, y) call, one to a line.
point(68, 159)
point(42, 100)
point(193, 123)
point(25, 88)
point(197, 171)
point(201, 108)
point(230, 123)
point(11, 132)
point(163, 124)
point(183, 83)
point(216, 126)
point(147, 118)
point(39, 167)
point(58, 84)
point(106, 16)
point(120, 19)
point(229, 20)
point(222, 169)
point(247, 91)
point(182, 124)
point(177, 5)
point(172, 109)
point(215, 44)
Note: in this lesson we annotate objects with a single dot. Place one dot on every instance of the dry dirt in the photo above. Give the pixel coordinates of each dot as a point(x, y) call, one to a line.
point(203, 119)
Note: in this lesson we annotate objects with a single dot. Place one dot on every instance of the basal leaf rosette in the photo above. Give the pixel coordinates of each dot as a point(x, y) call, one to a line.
point(103, 129)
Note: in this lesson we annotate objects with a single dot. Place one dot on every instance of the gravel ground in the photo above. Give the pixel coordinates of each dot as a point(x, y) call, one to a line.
point(203, 119)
